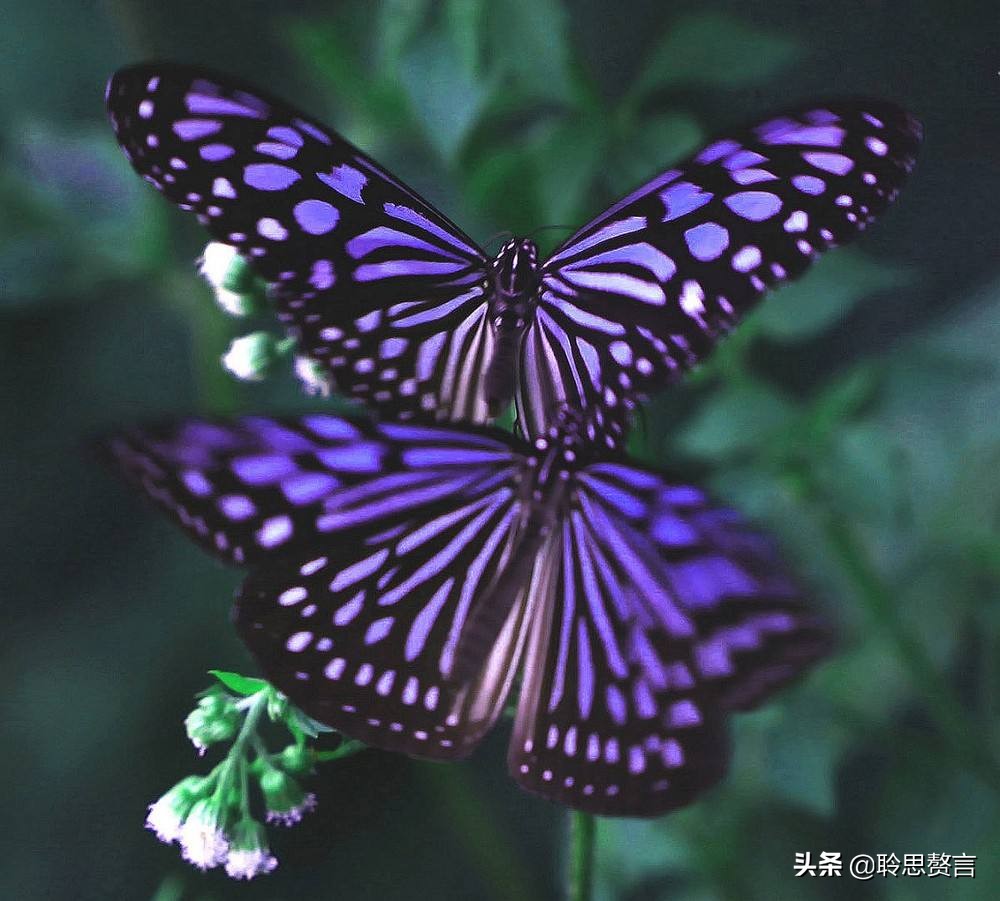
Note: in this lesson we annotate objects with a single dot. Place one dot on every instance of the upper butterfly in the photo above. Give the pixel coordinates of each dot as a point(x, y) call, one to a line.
point(410, 316)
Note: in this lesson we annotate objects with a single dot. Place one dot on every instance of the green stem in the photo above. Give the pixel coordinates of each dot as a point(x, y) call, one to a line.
point(966, 740)
point(347, 748)
point(580, 878)
point(237, 753)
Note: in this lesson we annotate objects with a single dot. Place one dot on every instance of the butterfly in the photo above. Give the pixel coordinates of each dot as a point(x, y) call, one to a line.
point(402, 575)
point(410, 316)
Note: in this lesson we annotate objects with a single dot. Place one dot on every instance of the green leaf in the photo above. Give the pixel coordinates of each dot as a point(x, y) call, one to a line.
point(714, 50)
point(306, 723)
point(737, 418)
point(649, 147)
point(529, 42)
point(242, 685)
point(447, 100)
point(836, 284)
point(464, 23)
point(500, 187)
point(567, 159)
point(397, 24)
point(802, 753)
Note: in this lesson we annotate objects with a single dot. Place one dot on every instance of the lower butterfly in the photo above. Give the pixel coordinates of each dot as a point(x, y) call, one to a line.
point(403, 575)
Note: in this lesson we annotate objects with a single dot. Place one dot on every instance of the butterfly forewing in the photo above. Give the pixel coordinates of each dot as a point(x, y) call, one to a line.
point(259, 488)
point(363, 638)
point(644, 292)
point(377, 285)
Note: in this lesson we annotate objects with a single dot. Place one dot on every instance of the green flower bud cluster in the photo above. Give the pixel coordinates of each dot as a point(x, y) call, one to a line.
point(210, 816)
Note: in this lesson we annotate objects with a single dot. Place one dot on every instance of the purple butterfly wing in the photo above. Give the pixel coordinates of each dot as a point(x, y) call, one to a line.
point(376, 284)
point(644, 291)
point(259, 488)
point(611, 718)
point(657, 614)
point(364, 637)
point(756, 633)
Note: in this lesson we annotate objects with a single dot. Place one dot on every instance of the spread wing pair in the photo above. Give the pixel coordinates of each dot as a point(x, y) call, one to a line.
point(402, 575)
point(412, 317)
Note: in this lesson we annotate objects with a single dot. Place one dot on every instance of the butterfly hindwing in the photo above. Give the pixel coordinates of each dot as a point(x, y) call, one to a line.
point(755, 631)
point(644, 291)
point(611, 718)
point(664, 613)
point(363, 638)
point(375, 283)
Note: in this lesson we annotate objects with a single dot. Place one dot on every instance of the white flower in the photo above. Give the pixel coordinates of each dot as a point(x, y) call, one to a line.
point(284, 799)
point(247, 864)
point(234, 303)
point(165, 820)
point(166, 816)
point(314, 378)
point(292, 815)
point(250, 357)
point(249, 854)
point(203, 841)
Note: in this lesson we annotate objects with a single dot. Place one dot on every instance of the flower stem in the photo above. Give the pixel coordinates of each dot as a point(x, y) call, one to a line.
point(236, 755)
point(580, 877)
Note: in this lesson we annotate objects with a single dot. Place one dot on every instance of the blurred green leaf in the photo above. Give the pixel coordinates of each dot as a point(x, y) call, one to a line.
point(738, 417)
point(397, 23)
point(447, 100)
point(925, 806)
point(649, 147)
point(567, 157)
point(529, 44)
point(500, 185)
point(835, 285)
point(72, 215)
point(714, 50)
point(464, 22)
point(802, 754)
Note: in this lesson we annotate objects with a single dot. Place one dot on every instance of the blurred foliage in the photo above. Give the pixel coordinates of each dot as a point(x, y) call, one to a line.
point(855, 414)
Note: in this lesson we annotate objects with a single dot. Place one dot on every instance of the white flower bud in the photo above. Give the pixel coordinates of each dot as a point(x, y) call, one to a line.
point(237, 290)
point(251, 357)
point(313, 376)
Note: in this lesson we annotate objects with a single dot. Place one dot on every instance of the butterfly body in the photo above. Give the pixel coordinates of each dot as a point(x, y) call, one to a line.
point(515, 282)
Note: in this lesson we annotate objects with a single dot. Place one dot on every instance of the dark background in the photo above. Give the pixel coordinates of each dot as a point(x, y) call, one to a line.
point(856, 414)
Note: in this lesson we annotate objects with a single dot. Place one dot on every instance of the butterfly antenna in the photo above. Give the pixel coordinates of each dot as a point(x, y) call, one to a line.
point(542, 228)
point(505, 235)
